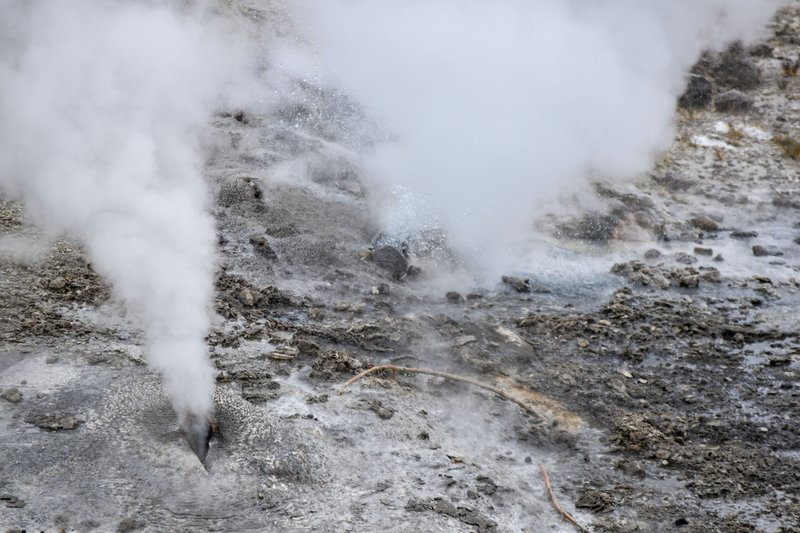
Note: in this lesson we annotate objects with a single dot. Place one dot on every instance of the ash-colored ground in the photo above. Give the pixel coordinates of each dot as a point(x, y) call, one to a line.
point(662, 355)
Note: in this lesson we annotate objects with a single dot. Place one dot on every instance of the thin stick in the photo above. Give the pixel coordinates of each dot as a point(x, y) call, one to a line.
point(447, 375)
point(561, 511)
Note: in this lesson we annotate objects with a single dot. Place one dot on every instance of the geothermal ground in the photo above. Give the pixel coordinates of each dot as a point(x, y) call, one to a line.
point(656, 347)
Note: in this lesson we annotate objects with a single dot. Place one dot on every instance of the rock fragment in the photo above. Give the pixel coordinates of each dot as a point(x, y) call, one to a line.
point(58, 283)
point(52, 421)
point(762, 251)
point(454, 297)
point(463, 340)
point(518, 284)
point(383, 412)
point(11, 501)
point(391, 259)
point(704, 223)
point(633, 468)
point(12, 395)
point(467, 516)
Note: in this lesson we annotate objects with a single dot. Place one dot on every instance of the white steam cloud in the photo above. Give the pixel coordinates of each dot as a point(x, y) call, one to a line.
point(498, 106)
point(102, 104)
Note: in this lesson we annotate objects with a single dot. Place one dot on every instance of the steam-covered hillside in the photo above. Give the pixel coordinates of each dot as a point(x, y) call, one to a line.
point(214, 214)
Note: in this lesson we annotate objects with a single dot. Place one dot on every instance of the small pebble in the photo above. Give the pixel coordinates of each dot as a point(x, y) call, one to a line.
point(707, 252)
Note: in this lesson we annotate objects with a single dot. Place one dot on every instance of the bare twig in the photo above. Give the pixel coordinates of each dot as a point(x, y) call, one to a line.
point(568, 517)
point(446, 375)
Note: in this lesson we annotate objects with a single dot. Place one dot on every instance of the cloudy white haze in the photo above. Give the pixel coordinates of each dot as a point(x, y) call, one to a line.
point(496, 107)
point(101, 105)
point(500, 105)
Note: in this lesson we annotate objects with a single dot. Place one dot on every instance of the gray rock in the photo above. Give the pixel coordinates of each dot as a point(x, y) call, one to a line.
point(463, 340)
point(706, 252)
point(652, 253)
point(12, 502)
point(632, 468)
point(640, 274)
point(58, 283)
point(52, 422)
point(518, 284)
point(684, 258)
point(704, 223)
point(383, 412)
point(390, 258)
point(11, 395)
point(740, 234)
point(710, 274)
point(688, 281)
point(733, 101)
point(761, 251)
point(454, 297)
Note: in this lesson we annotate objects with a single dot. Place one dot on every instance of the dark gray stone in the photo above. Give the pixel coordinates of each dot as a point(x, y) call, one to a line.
point(518, 284)
point(454, 297)
point(704, 223)
point(391, 259)
point(12, 395)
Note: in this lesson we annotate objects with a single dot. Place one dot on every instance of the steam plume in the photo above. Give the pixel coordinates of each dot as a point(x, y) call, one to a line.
point(500, 106)
point(101, 105)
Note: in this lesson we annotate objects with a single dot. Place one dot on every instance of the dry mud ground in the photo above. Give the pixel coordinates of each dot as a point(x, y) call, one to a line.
point(663, 382)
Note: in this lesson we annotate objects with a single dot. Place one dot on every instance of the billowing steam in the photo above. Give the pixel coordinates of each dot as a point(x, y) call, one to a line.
point(101, 106)
point(498, 106)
